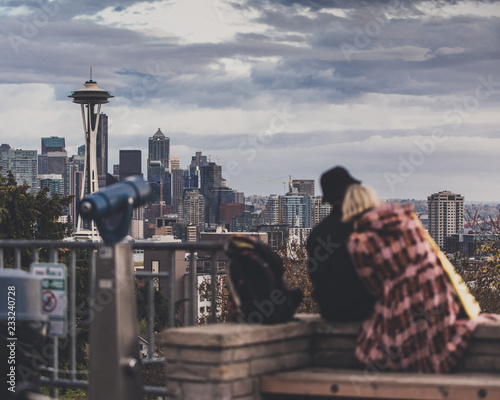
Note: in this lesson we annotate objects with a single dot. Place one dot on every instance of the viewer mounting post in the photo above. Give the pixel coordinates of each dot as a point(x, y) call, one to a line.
point(115, 367)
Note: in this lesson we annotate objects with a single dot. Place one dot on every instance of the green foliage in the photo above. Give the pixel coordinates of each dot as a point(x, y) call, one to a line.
point(483, 277)
point(27, 216)
point(160, 308)
point(221, 298)
point(72, 394)
point(142, 326)
point(296, 275)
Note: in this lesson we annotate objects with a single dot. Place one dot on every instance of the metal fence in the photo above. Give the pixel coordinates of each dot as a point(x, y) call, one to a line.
point(20, 254)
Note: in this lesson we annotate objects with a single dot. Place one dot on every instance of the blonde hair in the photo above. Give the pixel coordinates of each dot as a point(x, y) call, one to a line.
point(357, 199)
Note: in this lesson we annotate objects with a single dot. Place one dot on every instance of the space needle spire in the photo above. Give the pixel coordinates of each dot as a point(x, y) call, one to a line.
point(89, 97)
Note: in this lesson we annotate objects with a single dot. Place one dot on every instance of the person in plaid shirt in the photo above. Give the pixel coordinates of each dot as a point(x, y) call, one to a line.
point(418, 323)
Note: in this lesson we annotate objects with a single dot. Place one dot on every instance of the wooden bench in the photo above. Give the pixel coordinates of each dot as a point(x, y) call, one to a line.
point(344, 383)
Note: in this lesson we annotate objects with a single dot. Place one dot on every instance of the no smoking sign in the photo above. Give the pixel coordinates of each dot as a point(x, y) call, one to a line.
point(49, 301)
point(54, 295)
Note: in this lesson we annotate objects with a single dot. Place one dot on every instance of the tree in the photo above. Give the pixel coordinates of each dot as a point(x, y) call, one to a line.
point(483, 276)
point(24, 215)
point(221, 299)
point(296, 275)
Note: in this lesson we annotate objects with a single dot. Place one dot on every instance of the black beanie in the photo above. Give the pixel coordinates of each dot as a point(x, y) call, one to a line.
point(334, 183)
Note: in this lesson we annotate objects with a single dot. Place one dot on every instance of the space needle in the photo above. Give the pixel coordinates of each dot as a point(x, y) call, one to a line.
point(89, 97)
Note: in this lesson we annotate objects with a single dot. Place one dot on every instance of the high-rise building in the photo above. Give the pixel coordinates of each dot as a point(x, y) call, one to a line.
point(175, 163)
point(296, 210)
point(136, 229)
point(159, 148)
point(177, 188)
point(305, 186)
point(56, 160)
point(319, 210)
point(197, 161)
point(24, 167)
point(130, 163)
point(272, 214)
point(158, 162)
point(193, 209)
point(446, 215)
point(73, 182)
point(211, 180)
point(293, 210)
point(43, 164)
point(102, 145)
point(54, 156)
point(53, 143)
point(54, 182)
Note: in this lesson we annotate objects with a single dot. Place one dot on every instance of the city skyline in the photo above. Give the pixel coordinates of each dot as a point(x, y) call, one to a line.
point(404, 94)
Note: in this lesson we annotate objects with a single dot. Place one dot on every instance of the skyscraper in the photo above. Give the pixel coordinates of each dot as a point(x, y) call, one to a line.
point(193, 208)
point(24, 166)
point(73, 182)
point(197, 161)
point(211, 180)
point(446, 215)
point(102, 146)
point(159, 176)
point(296, 210)
point(130, 163)
point(54, 182)
point(53, 157)
point(175, 163)
point(53, 143)
point(159, 148)
point(177, 188)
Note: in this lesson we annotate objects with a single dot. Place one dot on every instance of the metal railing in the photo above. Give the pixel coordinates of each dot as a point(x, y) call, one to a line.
point(19, 254)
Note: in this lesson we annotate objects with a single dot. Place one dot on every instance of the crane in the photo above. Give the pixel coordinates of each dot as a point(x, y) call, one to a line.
point(283, 182)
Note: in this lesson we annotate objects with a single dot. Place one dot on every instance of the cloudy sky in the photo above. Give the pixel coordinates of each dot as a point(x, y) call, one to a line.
point(406, 94)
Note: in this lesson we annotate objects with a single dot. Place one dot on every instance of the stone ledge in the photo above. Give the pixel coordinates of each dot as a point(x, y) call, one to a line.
point(490, 330)
point(229, 335)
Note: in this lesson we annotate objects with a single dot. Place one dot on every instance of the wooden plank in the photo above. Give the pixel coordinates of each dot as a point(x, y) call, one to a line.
point(382, 385)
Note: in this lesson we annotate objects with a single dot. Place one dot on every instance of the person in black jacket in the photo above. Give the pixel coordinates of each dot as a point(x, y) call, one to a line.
point(338, 290)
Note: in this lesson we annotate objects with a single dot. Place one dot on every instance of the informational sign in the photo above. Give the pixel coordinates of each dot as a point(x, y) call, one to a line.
point(54, 295)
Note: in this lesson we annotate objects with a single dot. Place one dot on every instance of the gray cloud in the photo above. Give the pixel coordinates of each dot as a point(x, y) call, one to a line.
point(309, 54)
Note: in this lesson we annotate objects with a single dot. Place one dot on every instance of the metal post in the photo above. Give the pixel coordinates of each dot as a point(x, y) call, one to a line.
point(17, 257)
point(54, 374)
point(151, 315)
point(213, 287)
point(115, 369)
point(193, 290)
point(72, 316)
point(171, 291)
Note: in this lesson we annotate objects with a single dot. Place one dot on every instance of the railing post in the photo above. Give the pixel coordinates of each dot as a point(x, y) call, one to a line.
point(115, 369)
point(171, 290)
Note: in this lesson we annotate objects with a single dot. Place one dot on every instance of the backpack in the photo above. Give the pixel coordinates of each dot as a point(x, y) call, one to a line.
point(257, 293)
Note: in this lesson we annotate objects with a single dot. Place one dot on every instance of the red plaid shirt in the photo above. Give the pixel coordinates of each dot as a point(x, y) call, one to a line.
point(415, 324)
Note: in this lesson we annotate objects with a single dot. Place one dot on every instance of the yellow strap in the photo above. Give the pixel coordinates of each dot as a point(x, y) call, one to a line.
point(469, 302)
